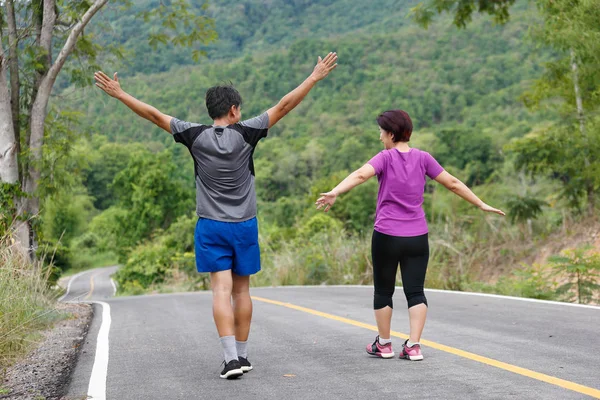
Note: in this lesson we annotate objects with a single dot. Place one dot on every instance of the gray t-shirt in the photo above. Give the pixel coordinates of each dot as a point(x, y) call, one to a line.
point(224, 167)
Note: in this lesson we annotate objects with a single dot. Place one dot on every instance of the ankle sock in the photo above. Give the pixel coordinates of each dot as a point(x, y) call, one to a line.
point(229, 349)
point(411, 344)
point(242, 348)
point(383, 342)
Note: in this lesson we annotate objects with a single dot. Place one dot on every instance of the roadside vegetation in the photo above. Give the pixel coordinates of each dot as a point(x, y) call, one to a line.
point(27, 303)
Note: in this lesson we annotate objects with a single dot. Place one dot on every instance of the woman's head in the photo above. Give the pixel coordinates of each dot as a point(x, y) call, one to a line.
point(396, 125)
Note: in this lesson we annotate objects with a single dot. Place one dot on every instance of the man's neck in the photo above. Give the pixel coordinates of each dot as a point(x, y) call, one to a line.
point(222, 121)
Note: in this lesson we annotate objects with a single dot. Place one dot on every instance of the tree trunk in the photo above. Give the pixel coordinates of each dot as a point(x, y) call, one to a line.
point(9, 165)
point(9, 169)
point(15, 87)
point(591, 196)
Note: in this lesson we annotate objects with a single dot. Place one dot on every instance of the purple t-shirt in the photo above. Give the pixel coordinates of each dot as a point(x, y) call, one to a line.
point(401, 186)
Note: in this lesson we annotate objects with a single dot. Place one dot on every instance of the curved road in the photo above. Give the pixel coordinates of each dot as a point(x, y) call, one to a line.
point(308, 343)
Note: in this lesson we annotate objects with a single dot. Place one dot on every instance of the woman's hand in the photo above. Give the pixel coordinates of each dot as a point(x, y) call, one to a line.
point(486, 208)
point(327, 200)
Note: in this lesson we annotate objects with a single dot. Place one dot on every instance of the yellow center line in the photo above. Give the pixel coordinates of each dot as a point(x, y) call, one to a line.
point(89, 295)
point(461, 353)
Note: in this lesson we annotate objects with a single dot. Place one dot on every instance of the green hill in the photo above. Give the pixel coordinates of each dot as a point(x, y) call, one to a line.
point(251, 26)
point(467, 82)
point(461, 88)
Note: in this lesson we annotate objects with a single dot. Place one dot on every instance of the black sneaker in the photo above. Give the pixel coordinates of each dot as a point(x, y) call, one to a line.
point(246, 366)
point(232, 370)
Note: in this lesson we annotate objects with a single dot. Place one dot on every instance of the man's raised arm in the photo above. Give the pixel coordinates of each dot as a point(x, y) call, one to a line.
point(113, 88)
point(292, 99)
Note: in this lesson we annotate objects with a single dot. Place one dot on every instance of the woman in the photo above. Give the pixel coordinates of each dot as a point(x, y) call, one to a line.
point(400, 234)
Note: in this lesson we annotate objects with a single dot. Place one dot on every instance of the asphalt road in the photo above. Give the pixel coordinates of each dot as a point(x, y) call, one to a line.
point(308, 343)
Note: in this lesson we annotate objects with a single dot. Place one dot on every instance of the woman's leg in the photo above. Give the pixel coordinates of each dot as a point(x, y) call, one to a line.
point(417, 315)
point(385, 267)
point(413, 267)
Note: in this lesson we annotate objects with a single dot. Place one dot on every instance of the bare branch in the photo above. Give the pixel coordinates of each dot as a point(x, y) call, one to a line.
point(72, 39)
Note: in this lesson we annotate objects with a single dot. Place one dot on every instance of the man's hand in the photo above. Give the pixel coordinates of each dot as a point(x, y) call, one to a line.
point(324, 66)
point(292, 99)
point(146, 111)
point(110, 86)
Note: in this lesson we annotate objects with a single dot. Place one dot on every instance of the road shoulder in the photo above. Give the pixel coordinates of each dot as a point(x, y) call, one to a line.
point(46, 371)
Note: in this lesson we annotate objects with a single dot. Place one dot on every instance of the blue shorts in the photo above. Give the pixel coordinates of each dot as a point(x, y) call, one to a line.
point(222, 246)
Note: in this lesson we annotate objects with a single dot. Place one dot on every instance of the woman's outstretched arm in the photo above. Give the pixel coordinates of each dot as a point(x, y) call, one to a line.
point(359, 176)
point(455, 185)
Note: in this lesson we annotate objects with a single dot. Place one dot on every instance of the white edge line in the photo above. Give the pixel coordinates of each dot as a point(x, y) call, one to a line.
point(498, 296)
point(69, 284)
point(112, 282)
point(97, 386)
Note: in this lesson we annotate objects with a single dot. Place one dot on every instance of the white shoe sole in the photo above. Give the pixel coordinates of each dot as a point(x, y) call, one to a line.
point(247, 369)
point(234, 373)
point(414, 358)
point(387, 355)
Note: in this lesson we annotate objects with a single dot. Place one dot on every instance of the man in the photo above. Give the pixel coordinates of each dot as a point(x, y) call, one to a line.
point(226, 235)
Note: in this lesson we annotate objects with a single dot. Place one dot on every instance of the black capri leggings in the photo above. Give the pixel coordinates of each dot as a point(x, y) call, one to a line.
point(413, 254)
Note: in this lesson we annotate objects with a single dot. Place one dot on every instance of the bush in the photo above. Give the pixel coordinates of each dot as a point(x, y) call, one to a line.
point(146, 265)
point(56, 254)
point(167, 256)
point(88, 240)
point(531, 281)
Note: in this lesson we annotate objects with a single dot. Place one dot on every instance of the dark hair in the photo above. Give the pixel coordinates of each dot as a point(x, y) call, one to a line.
point(398, 123)
point(219, 100)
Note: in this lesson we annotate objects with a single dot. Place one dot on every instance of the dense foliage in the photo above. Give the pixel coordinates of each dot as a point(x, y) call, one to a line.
point(462, 88)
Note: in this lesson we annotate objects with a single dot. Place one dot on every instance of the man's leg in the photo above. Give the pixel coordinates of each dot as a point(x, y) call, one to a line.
point(242, 307)
point(246, 263)
point(242, 312)
point(222, 285)
point(214, 255)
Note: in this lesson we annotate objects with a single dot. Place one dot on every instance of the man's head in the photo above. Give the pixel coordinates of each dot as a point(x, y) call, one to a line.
point(223, 102)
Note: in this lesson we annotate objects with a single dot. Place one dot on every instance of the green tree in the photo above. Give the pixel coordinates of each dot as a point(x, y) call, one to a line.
point(106, 161)
point(36, 39)
point(582, 268)
point(558, 152)
point(572, 83)
point(148, 197)
point(463, 10)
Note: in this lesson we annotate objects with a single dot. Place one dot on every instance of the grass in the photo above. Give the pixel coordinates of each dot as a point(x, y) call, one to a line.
point(330, 257)
point(27, 305)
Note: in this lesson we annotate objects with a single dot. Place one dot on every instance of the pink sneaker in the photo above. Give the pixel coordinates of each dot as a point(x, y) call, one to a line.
point(411, 353)
point(379, 350)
